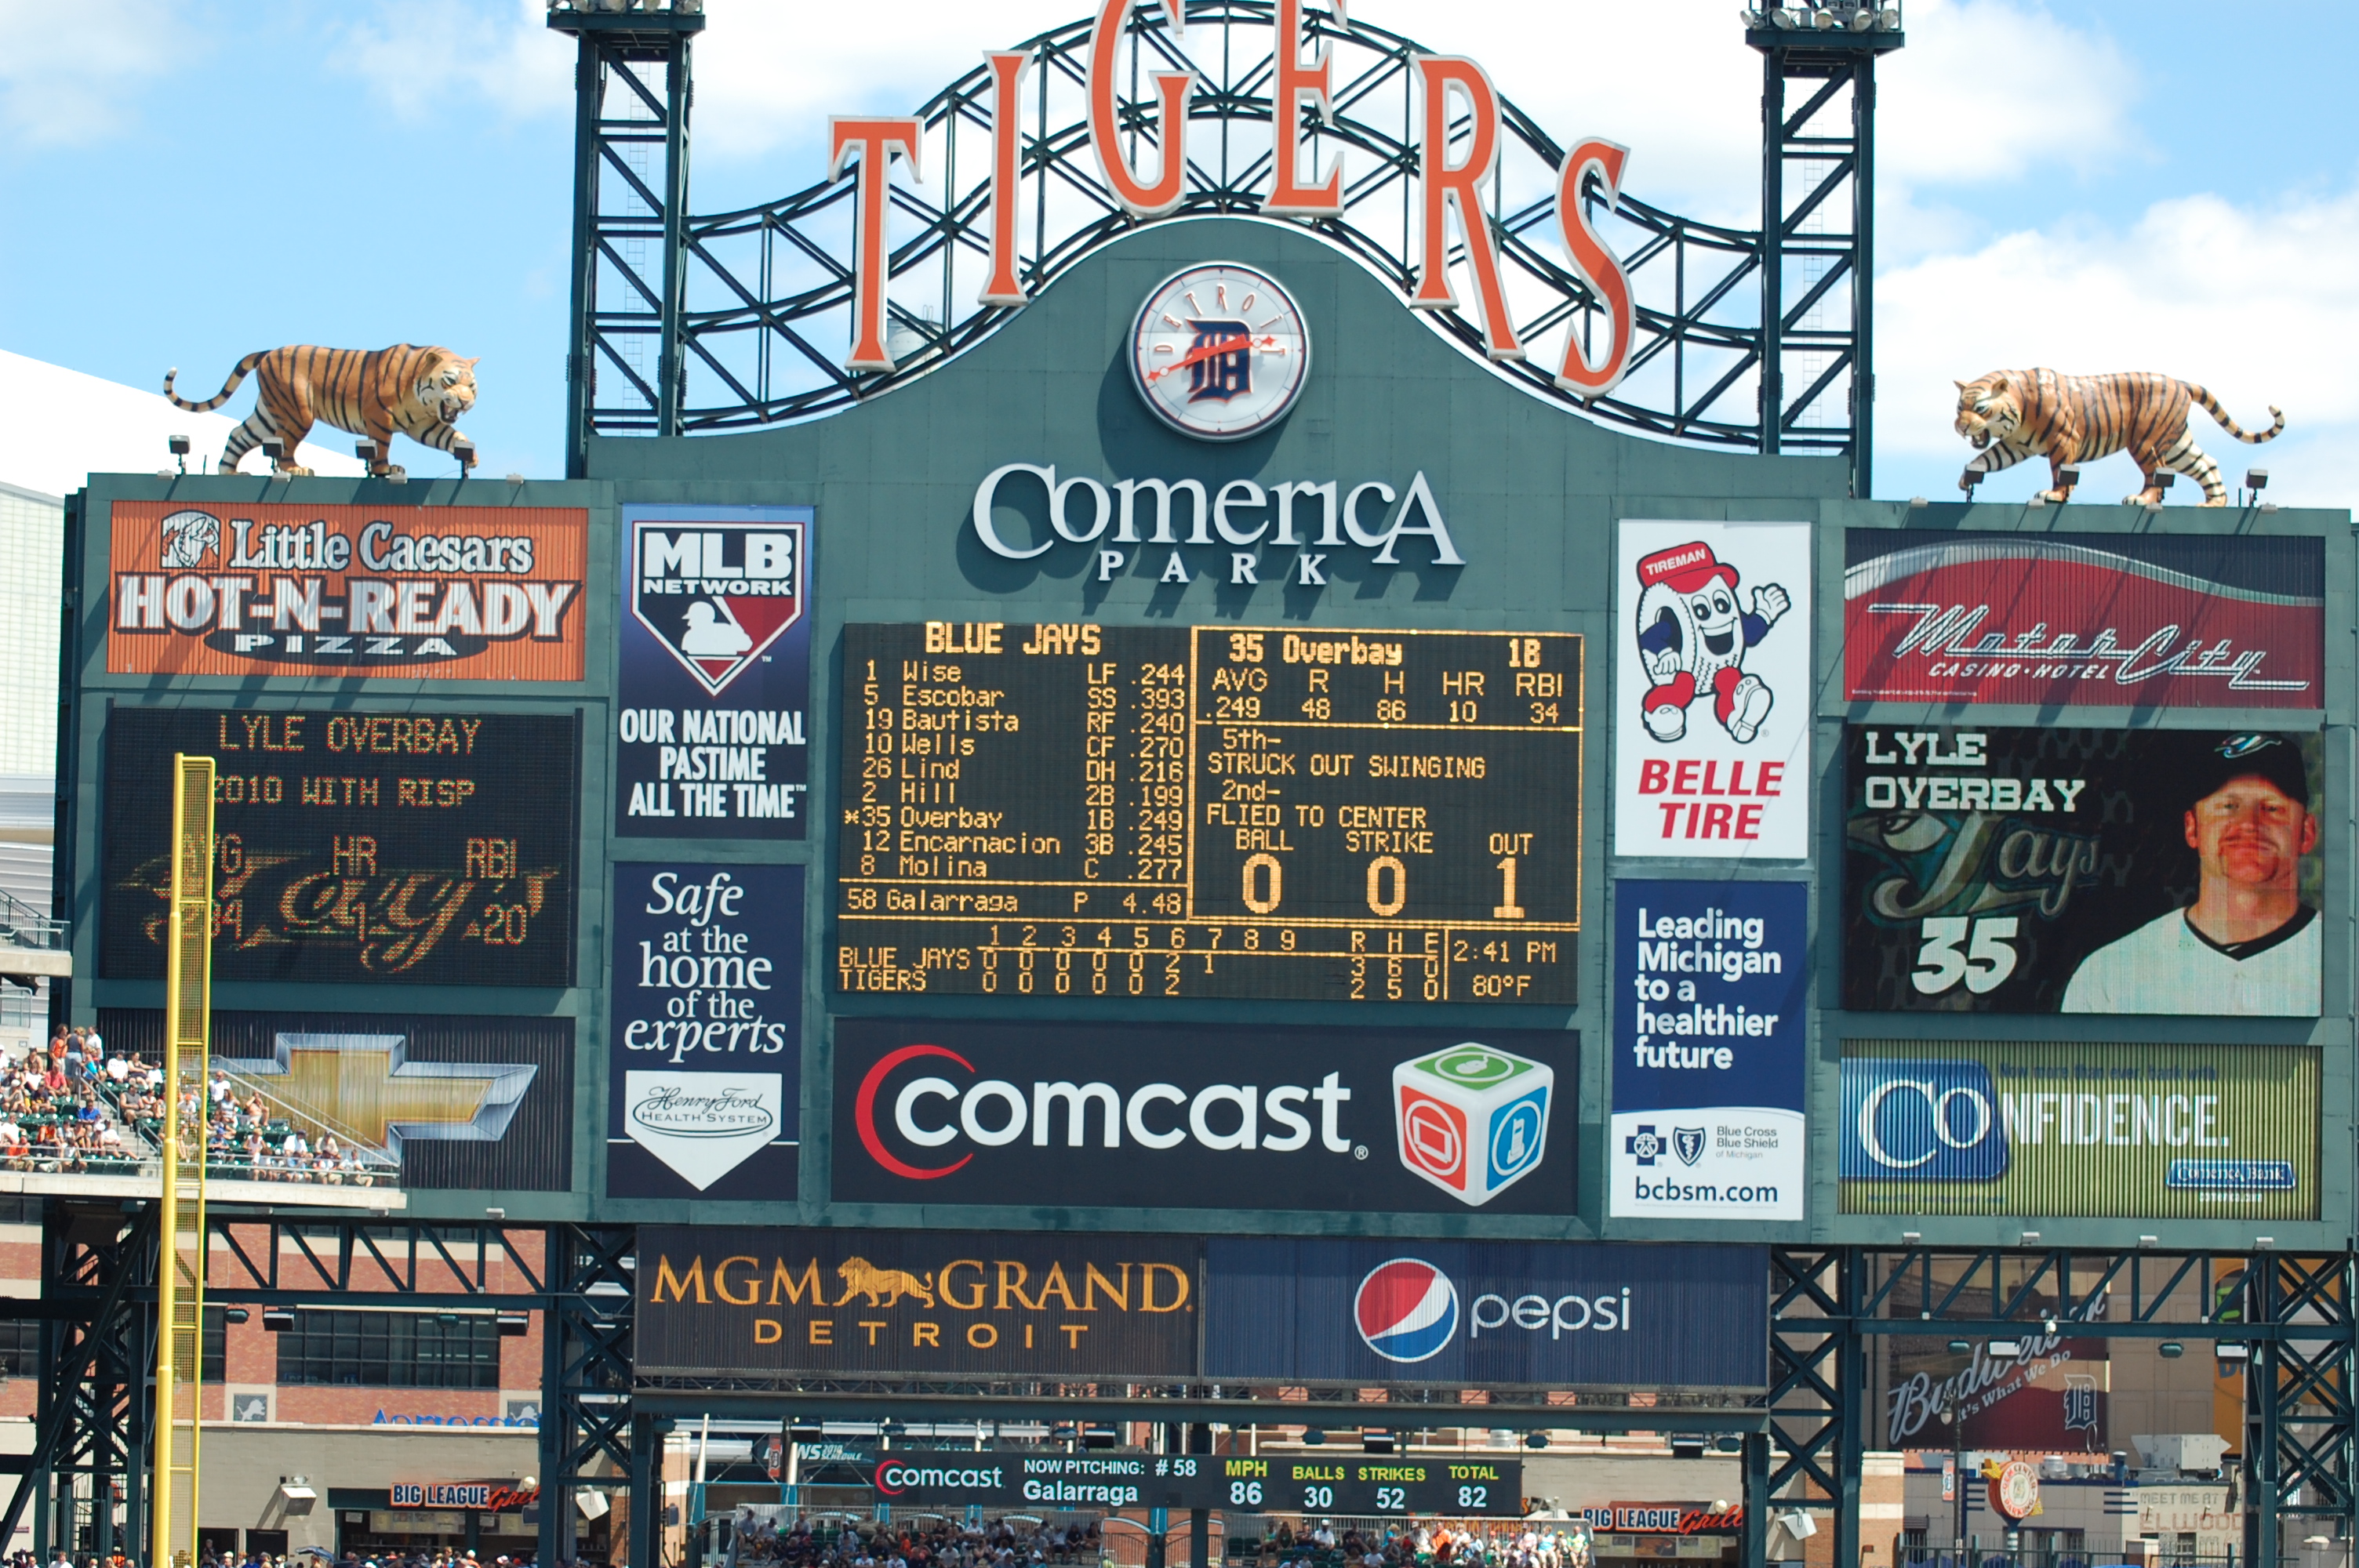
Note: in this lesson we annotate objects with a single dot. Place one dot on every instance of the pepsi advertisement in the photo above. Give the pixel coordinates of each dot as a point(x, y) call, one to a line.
point(715, 676)
point(2083, 871)
point(1709, 1036)
point(706, 1043)
point(1363, 1120)
point(1519, 1313)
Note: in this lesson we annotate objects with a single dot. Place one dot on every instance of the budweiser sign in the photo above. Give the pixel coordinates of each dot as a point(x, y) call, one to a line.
point(2104, 620)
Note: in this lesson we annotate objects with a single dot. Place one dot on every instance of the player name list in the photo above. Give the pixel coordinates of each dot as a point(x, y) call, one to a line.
point(1093, 811)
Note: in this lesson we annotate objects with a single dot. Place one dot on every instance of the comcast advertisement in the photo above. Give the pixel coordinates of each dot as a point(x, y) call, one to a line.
point(2077, 1131)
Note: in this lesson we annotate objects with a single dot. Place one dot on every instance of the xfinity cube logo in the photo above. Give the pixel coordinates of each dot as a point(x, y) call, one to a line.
point(1472, 1119)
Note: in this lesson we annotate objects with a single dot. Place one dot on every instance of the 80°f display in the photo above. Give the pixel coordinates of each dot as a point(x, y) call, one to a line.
point(1088, 811)
point(433, 848)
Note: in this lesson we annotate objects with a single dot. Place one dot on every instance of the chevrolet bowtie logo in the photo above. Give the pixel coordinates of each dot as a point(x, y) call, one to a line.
point(364, 1087)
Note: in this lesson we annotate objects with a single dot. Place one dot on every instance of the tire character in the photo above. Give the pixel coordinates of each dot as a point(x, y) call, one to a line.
point(1693, 635)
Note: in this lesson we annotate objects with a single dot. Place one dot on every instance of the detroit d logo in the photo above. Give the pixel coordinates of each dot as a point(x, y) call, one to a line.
point(716, 594)
point(1226, 368)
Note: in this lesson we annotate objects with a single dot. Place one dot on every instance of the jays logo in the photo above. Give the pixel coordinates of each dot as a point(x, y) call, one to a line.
point(1406, 1310)
point(718, 594)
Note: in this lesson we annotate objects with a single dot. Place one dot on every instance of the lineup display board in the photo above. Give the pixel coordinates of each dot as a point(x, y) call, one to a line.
point(1073, 810)
point(2082, 871)
point(431, 848)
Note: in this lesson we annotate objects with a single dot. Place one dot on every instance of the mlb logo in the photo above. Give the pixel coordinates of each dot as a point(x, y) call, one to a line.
point(717, 594)
point(1472, 1119)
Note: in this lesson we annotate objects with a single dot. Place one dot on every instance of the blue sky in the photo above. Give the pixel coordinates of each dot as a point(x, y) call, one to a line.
point(2157, 185)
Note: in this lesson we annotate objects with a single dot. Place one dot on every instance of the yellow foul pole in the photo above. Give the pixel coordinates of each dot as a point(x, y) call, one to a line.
point(180, 1276)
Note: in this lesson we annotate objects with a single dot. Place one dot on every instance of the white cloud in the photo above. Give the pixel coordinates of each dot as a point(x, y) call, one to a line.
point(1988, 89)
point(412, 55)
point(2258, 304)
point(59, 426)
point(73, 74)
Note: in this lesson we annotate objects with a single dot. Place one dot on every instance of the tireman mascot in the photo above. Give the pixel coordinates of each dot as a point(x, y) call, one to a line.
point(1693, 635)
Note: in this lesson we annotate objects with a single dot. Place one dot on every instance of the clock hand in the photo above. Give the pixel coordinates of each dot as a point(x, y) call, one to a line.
point(1211, 350)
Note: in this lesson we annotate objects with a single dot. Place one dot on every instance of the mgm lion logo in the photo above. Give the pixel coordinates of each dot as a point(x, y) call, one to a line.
point(190, 538)
point(882, 1287)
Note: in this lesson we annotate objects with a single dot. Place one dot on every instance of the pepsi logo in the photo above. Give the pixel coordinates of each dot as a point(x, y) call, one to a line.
point(1406, 1310)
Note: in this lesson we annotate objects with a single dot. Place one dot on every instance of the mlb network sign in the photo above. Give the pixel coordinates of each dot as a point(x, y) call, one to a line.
point(1485, 1313)
point(1228, 1117)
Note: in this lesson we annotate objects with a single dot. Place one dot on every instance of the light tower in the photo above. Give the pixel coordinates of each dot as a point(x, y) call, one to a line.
point(1818, 255)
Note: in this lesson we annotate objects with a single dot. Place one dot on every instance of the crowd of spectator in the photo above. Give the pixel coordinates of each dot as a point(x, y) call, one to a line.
point(940, 1543)
point(75, 1108)
point(1413, 1544)
point(61, 1109)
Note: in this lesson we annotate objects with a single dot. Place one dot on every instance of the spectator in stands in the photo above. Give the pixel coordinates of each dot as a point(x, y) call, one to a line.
point(295, 1156)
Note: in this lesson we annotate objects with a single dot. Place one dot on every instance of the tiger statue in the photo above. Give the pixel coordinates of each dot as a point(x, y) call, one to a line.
point(2011, 415)
point(418, 391)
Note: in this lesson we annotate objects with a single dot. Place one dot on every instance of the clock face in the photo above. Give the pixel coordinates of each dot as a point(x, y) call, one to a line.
point(1220, 351)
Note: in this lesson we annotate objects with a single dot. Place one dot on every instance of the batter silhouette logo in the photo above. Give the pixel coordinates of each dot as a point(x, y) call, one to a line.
point(1472, 1119)
point(717, 594)
point(1406, 1310)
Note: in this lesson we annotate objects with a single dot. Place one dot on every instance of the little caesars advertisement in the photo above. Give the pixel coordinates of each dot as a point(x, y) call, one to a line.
point(1708, 1050)
point(707, 1039)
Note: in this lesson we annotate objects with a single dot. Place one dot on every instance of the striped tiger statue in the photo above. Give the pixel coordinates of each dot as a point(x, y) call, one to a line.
point(418, 391)
point(2011, 415)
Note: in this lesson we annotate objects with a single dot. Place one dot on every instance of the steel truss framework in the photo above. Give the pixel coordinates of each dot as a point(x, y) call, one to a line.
point(602, 1426)
point(2293, 1314)
point(734, 320)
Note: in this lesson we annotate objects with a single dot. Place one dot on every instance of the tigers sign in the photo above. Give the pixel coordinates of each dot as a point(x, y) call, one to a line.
point(916, 1303)
point(442, 592)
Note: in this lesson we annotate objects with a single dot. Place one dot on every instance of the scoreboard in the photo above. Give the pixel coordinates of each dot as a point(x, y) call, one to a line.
point(1357, 1485)
point(1074, 810)
point(354, 847)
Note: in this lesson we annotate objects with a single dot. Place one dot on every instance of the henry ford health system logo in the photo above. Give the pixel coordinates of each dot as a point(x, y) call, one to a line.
point(1472, 1119)
point(716, 594)
point(1694, 629)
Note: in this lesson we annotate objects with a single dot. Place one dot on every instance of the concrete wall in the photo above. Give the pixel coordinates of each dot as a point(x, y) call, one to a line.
point(244, 1465)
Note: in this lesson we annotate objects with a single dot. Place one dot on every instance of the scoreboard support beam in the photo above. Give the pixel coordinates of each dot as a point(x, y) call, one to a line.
point(587, 1412)
point(629, 221)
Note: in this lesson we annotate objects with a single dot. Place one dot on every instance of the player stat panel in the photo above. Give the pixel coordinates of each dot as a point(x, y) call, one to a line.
point(1100, 811)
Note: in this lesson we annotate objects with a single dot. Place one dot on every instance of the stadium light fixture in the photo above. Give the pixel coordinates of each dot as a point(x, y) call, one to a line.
point(2031, 1238)
point(2172, 1350)
point(235, 1314)
point(1888, 19)
point(1312, 1437)
point(1960, 1347)
point(1911, 1238)
point(1862, 20)
point(277, 1320)
point(1376, 1440)
point(178, 447)
point(2004, 1349)
point(2069, 476)
point(2255, 478)
point(1687, 1447)
point(1098, 1434)
point(1536, 1440)
point(367, 451)
point(275, 449)
point(465, 452)
point(2149, 1241)
point(1915, 502)
point(2263, 1243)
point(513, 1324)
